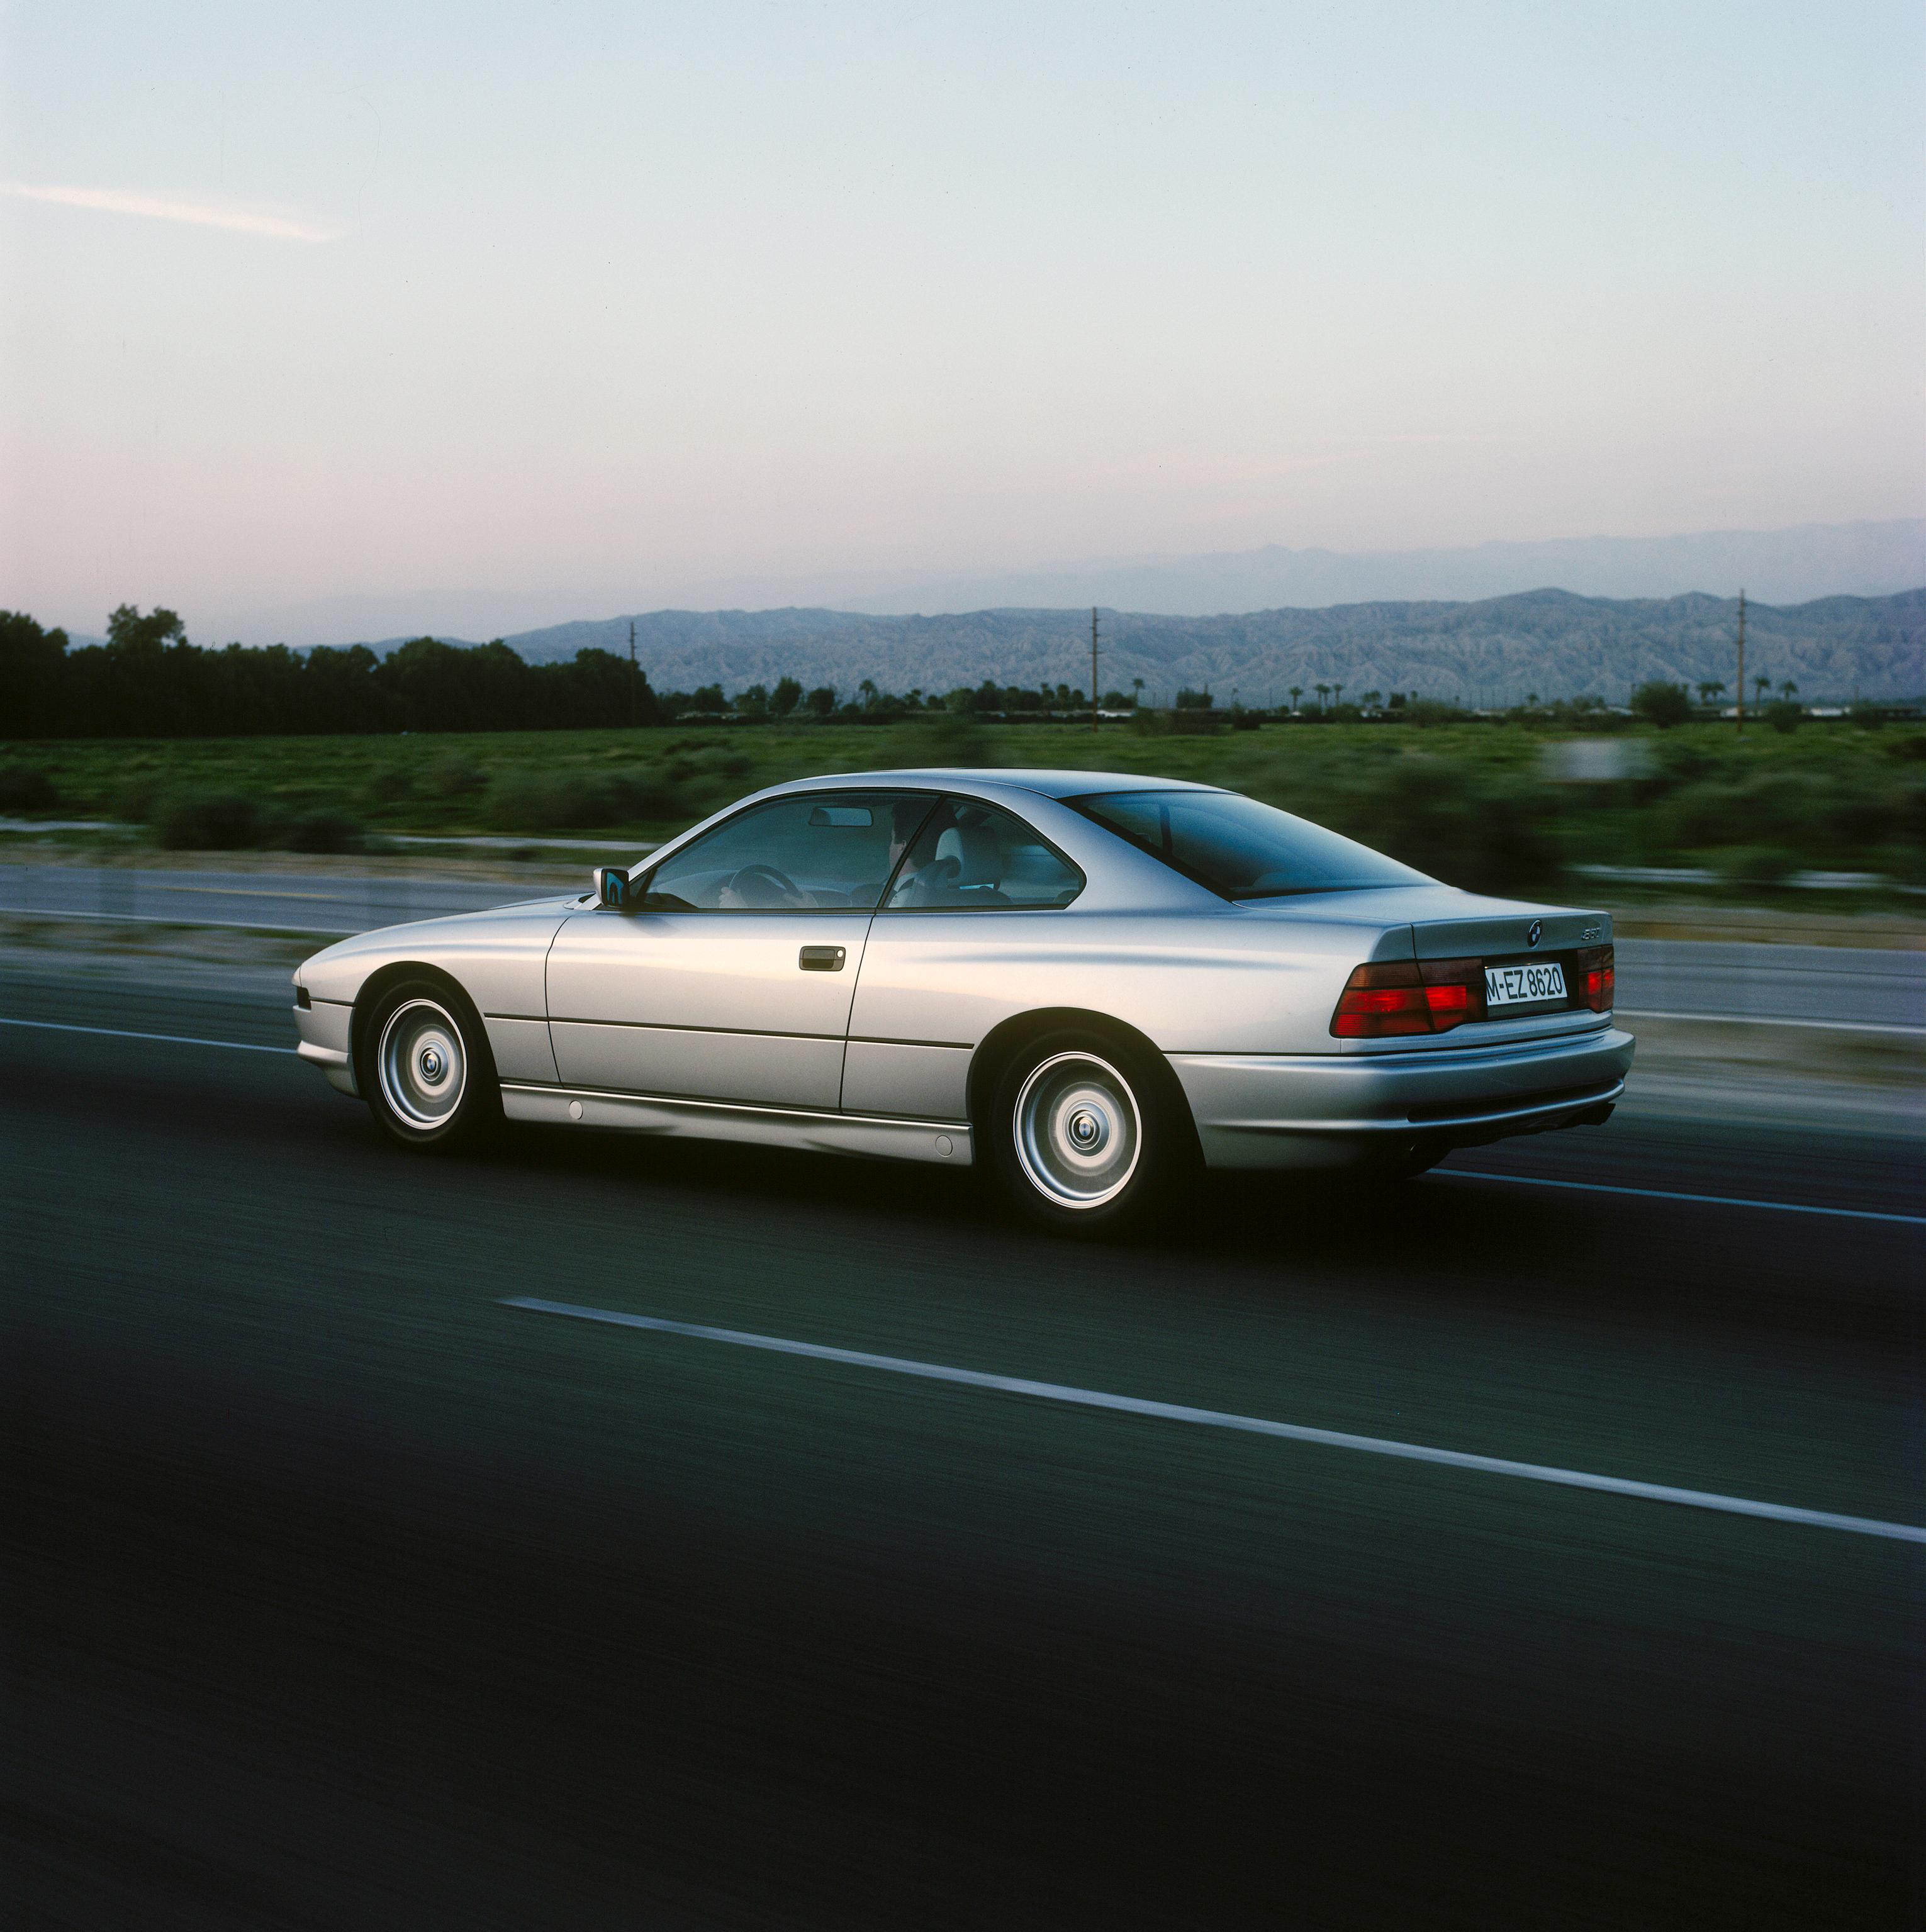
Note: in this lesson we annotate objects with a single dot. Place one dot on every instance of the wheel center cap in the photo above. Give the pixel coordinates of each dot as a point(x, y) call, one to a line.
point(431, 1062)
point(1086, 1130)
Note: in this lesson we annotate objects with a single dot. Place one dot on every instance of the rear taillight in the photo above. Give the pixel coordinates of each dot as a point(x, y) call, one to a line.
point(1596, 972)
point(1402, 996)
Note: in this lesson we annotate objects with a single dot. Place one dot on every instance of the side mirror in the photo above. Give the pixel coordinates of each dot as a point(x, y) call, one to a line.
point(614, 893)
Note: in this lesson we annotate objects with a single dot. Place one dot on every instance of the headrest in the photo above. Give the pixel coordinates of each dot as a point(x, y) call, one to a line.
point(977, 850)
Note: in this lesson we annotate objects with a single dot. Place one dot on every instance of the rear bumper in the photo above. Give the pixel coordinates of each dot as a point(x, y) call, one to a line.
point(1347, 1110)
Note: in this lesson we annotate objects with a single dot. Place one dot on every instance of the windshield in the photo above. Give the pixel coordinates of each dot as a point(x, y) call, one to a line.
point(1240, 848)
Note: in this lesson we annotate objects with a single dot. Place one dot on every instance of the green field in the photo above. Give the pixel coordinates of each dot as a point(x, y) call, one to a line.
point(1493, 806)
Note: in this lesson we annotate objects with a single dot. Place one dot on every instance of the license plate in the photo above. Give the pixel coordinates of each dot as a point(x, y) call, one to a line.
point(1529, 985)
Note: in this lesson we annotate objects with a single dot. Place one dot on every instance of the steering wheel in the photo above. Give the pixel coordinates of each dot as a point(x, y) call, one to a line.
point(763, 889)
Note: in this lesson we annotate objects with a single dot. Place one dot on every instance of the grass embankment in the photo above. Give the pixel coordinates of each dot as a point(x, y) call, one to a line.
point(1487, 806)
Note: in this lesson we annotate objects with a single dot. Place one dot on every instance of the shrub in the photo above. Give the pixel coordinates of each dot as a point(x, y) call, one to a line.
point(1486, 831)
point(1759, 865)
point(456, 777)
point(207, 822)
point(579, 801)
point(323, 831)
point(392, 787)
point(950, 738)
point(1661, 703)
point(1825, 817)
point(26, 788)
point(534, 801)
point(1783, 715)
point(139, 797)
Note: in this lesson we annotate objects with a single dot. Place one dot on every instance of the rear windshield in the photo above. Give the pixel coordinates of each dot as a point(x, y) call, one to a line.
point(1240, 848)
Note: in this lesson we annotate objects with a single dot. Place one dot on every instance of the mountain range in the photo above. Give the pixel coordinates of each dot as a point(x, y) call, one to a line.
point(1796, 566)
point(1492, 650)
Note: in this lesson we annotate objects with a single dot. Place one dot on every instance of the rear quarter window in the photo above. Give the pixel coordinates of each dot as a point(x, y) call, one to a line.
point(1240, 848)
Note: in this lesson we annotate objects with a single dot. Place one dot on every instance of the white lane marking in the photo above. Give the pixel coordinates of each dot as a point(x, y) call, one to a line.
point(1668, 1194)
point(1771, 1019)
point(1250, 1425)
point(124, 1033)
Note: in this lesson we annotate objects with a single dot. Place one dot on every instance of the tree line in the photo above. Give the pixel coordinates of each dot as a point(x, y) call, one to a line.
point(148, 681)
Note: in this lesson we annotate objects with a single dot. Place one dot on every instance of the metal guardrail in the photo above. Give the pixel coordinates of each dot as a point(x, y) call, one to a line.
point(1705, 875)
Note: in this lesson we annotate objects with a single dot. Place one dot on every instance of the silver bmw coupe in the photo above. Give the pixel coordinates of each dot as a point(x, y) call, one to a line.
point(1089, 983)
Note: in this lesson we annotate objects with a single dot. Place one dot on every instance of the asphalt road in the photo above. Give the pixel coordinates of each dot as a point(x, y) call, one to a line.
point(337, 1593)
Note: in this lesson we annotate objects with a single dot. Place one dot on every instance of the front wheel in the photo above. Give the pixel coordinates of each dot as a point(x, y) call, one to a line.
point(427, 1070)
point(1085, 1136)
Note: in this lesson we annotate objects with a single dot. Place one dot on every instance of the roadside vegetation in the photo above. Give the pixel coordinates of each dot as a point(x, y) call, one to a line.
point(1496, 805)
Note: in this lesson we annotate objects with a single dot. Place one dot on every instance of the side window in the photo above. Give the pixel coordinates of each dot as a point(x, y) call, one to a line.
point(816, 850)
point(969, 856)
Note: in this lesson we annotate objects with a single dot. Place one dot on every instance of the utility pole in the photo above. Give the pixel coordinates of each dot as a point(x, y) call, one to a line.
point(1093, 666)
point(1741, 663)
point(634, 678)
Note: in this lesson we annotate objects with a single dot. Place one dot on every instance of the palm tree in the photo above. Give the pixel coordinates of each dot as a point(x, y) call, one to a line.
point(1296, 692)
point(1137, 692)
point(1337, 695)
point(1323, 691)
point(1762, 684)
point(1789, 690)
point(1373, 699)
point(866, 690)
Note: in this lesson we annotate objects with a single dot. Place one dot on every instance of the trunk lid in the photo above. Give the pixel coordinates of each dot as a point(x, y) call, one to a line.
point(1439, 924)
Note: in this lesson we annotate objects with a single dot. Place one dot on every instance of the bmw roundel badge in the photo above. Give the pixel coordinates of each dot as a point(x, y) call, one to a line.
point(1537, 933)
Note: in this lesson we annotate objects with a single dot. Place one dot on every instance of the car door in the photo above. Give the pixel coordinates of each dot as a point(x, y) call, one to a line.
point(949, 955)
point(732, 981)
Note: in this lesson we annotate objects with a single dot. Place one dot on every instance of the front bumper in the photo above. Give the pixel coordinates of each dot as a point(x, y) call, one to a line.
point(1347, 1110)
point(326, 1030)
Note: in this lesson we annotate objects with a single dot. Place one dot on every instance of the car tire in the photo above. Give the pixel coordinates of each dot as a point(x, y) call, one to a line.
point(425, 1067)
point(1088, 1135)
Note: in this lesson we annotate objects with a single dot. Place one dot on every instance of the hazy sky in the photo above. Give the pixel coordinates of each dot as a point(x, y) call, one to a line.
point(620, 305)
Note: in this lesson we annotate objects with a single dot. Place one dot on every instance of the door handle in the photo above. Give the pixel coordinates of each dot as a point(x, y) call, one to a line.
point(821, 959)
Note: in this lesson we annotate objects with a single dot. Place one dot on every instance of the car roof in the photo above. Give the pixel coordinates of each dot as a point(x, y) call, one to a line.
point(1050, 783)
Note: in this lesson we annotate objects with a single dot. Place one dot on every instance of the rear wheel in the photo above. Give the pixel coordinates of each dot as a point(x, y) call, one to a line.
point(427, 1070)
point(1084, 1135)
